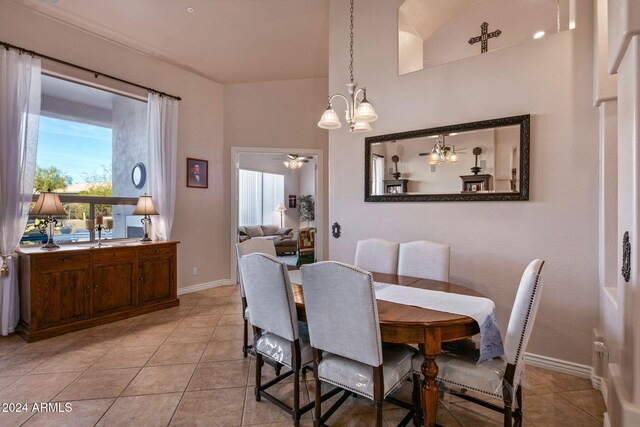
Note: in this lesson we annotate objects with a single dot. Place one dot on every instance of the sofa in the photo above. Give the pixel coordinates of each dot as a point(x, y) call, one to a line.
point(282, 237)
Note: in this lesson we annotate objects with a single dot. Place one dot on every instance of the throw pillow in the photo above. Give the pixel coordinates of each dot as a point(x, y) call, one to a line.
point(254, 231)
point(269, 230)
point(283, 231)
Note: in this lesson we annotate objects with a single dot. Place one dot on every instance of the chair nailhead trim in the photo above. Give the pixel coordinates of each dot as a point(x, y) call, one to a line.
point(526, 319)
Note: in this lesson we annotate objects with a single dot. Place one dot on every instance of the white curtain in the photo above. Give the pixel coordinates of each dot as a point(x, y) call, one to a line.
point(162, 124)
point(377, 174)
point(250, 197)
point(259, 193)
point(19, 118)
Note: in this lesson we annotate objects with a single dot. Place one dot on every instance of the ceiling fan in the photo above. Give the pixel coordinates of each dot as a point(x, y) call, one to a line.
point(295, 161)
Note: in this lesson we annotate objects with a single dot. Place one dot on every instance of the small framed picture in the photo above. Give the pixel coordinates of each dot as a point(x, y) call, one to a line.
point(292, 201)
point(197, 173)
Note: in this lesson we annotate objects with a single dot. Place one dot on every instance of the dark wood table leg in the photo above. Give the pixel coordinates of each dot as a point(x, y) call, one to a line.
point(431, 350)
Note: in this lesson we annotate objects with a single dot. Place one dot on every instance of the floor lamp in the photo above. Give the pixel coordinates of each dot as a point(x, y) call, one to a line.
point(281, 208)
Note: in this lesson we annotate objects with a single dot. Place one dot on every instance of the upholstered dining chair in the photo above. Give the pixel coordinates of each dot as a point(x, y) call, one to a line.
point(377, 255)
point(250, 246)
point(500, 377)
point(424, 259)
point(279, 335)
point(342, 315)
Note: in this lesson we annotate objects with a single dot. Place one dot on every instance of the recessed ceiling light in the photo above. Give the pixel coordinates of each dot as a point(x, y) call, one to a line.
point(538, 35)
point(190, 9)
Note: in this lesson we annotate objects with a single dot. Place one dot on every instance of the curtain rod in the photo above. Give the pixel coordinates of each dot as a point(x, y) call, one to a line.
point(94, 72)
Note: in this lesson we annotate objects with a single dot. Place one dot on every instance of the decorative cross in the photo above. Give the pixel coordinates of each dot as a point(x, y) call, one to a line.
point(484, 37)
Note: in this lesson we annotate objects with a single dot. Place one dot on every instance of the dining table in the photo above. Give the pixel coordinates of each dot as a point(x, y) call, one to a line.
point(407, 324)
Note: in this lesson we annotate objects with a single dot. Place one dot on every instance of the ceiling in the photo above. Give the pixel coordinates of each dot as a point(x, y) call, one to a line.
point(229, 41)
point(426, 16)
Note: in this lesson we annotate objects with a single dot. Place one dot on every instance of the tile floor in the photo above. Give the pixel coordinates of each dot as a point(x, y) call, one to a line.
point(183, 367)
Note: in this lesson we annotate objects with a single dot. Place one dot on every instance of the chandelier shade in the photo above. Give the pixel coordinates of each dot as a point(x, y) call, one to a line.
point(329, 119)
point(359, 112)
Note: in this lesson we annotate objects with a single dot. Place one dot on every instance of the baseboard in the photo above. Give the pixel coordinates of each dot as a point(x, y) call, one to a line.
point(558, 365)
point(596, 381)
point(203, 286)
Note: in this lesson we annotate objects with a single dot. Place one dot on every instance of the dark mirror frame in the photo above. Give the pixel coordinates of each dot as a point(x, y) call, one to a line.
point(522, 194)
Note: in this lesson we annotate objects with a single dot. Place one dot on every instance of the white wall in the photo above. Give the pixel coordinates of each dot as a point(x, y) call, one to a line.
point(199, 222)
point(491, 242)
point(275, 114)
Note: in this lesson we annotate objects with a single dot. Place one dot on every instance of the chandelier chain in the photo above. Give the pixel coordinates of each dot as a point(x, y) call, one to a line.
point(351, 46)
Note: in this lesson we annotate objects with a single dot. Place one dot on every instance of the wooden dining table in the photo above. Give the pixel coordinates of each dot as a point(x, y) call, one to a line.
point(407, 324)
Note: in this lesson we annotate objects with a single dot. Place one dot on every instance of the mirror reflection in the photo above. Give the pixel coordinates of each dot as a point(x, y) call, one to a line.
point(435, 32)
point(487, 160)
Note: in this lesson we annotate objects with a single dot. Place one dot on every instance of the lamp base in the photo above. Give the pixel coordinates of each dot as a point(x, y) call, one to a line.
point(146, 239)
point(50, 246)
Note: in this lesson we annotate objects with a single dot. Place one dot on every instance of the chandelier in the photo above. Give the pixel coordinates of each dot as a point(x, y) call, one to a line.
point(359, 113)
point(442, 153)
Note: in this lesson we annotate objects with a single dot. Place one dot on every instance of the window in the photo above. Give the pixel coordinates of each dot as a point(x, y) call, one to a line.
point(89, 140)
point(259, 195)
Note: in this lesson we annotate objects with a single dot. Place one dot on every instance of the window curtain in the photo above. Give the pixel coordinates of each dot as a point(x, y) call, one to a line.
point(272, 196)
point(19, 119)
point(259, 194)
point(250, 197)
point(377, 176)
point(162, 127)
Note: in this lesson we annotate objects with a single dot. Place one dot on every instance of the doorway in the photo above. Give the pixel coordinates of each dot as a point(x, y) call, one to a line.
point(272, 189)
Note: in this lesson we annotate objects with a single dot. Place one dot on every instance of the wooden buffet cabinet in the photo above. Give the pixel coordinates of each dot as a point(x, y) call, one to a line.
point(79, 287)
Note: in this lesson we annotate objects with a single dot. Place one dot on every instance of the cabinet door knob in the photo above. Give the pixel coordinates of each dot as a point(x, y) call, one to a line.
point(65, 259)
point(157, 250)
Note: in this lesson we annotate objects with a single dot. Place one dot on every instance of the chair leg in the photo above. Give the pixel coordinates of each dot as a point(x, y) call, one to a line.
point(317, 410)
point(517, 414)
point(378, 393)
point(245, 345)
point(277, 368)
point(507, 417)
point(296, 398)
point(259, 363)
point(417, 401)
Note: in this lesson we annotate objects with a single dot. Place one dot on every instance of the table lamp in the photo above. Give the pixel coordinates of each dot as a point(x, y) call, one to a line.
point(281, 208)
point(145, 207)
point(48, 204)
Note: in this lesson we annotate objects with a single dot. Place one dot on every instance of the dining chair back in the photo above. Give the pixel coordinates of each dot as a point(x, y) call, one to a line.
point(339, 322)
point(500, 377)
point(424, 259)
point(344, 331)
point(523, 314)
point(277, 334)
point(269, 295)
point(378, 255)
point(244, 248)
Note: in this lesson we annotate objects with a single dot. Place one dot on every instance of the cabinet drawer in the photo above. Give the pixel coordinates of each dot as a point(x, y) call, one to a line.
point(155, 251)
point(114, 255)
point(61, 260)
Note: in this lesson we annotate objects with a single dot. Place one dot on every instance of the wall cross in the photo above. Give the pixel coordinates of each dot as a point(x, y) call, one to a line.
point(484, 37)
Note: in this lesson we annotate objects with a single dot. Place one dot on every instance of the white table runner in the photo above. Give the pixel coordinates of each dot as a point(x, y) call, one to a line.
point(482, 310)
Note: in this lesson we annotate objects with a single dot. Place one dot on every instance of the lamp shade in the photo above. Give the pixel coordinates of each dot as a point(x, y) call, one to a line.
point(145, 206)
point(365, 112)
point(48, 203)
point(329, 119)
point(361, 127)
point(281, 207)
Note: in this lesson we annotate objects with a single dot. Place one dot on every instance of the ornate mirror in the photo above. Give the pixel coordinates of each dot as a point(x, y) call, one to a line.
point(487, 160)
